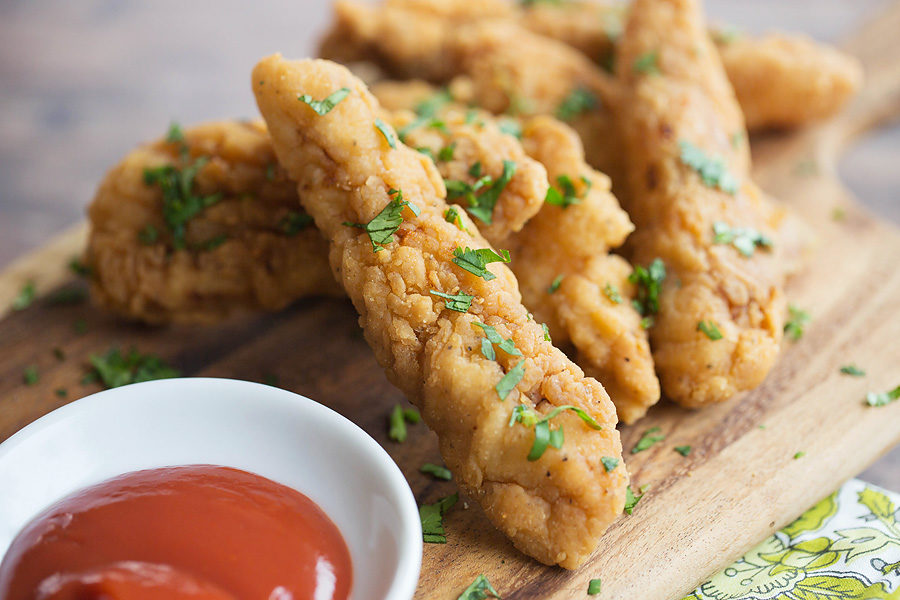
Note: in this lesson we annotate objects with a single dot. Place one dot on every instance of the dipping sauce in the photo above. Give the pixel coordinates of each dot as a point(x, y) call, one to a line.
point(197, 532)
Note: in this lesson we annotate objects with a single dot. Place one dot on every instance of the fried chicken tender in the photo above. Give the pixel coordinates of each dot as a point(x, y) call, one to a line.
point(687, 115)
point(554, 508)
point(570, 244)
point(467, 148)
point(781, 80)
point(265, 257)
point(788, 80)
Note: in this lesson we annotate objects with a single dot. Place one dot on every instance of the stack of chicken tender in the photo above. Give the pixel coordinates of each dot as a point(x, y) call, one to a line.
point(603, 147)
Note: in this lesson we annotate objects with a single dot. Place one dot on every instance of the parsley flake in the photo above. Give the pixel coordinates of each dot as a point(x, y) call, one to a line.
point(744, 239)
point(647, 63)
point(712, 170)
point(883, 398)
point(451, 215)
point(649, 283)
point(294, 222)
point(31, 375)
point(612, 292)
point(609, 463)
point(546, 332)
point(25, 297)
point(797, 321)
point(481, 196)
point(382, 227)
point(543, 436)
point(323, 107)
point(149, 235)
point(397, 422)
point(179, 203)
point(61, 392)
point(175, 135)
point(115, 369)
point(631, 499)
point(648, 439)
point(476, 261)
point(510, 127)
point(594, 587)
point(436, 471)
point(79, 268)
point(683, 450)
point(493, 337)
point(554, 285)
point(578, 101)
point(480, 589)
point(853, 371)
point(459, 302)
point(798, 455)
point(432, 517)
point(445, 154)
point(510, 380)
point(566, 195)
point(385, 130)
point(710, 329)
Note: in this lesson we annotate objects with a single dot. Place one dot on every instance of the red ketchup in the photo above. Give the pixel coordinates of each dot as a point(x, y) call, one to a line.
point(180, 533)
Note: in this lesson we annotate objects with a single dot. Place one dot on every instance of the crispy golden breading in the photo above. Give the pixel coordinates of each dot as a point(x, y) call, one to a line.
point(788, 80)
point(781, 80)
point(468, 146)
point(592, 303)
point(257, 266)
point(689, 102)
point(554, 508)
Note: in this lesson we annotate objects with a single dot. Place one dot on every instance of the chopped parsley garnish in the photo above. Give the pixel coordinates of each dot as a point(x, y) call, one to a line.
point(726, 36)
point(426, 151)
point(578, 101)
point(148, 235)
point(436, 471)
point(25, 297)
point(798, 319)
point(647, 63)
point(451, 215)
point(554, 285)
point(481, 588)
point(115, 369)
point(323, 107)
point(476, 261)
point(59, 353)
point(80, 326)
point(459, 302)
point(271, 380)
point(683, 450)
point(175, 135)
point(510, 380)
point(612, 292)
point(61, 392)
point(648, 439)
point(853, 371)
point(566, 195)
point(481, 196)
point(68, 296)
point(31, 375)
point(546, 332)
point(631, 500)
point(543, 436)
point(745, 239)
point(79, 268)
point(649, 283)
point(398, 420)
point(431, 105)
point(382, 227)
point(432, 517)
point(494, 338)
point(609, 463)
point(385, 130)
point(800, 454)
point(294, 222)
point(710, 329)
point(445, 154)
point(838, 213)
point(646, 322)
point(594, 587)
point(270, 172)
point(179, 203)
point(510, 127)
point(882, 398)
point(712, 170)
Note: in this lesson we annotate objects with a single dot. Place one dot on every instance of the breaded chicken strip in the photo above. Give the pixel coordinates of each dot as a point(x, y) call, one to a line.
point(568, 278)
point(781, 80)
point(553, 508)
point(251, 248)
point(721, 306)
point(788, 80)
point(486, 170)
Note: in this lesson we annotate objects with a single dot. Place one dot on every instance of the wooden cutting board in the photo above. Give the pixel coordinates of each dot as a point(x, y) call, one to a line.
point(741, 481)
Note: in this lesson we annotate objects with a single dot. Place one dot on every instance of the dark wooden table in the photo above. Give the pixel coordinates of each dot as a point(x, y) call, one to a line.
point(81, 83)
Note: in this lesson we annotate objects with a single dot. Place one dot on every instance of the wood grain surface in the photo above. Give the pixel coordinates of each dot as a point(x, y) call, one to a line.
point(739, 483)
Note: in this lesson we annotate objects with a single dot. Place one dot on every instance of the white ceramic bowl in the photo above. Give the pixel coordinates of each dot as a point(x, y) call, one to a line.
point(258, 428)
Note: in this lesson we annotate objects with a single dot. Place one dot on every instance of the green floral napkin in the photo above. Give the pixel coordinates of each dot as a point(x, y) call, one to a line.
point(846, 547)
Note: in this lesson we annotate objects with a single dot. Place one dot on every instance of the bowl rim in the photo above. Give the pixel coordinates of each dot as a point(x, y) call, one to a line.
point(409, 560)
